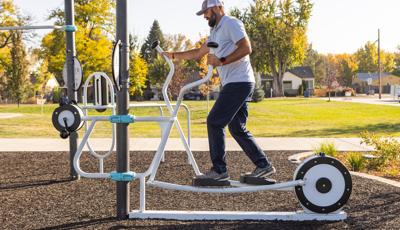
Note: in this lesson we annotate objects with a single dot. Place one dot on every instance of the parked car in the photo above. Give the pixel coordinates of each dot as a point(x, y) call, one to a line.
point(193, 95)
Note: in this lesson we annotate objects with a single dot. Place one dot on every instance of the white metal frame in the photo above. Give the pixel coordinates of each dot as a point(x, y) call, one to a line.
point(150, 173)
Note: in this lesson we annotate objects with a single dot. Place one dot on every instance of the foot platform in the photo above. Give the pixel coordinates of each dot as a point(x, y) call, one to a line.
point(247, 179)
point(208, 182)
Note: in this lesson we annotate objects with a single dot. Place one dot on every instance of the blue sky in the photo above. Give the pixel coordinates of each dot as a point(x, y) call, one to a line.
point(337, 26)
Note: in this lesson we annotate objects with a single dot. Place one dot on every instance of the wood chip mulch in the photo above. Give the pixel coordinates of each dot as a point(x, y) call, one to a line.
point(36, 193)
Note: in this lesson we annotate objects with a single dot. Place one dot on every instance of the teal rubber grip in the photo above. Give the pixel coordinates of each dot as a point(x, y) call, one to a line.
point(122, 119)
point(70, 28)
point(126, 176)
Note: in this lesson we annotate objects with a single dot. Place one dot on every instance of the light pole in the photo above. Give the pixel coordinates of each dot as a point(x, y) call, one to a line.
point(379, 64)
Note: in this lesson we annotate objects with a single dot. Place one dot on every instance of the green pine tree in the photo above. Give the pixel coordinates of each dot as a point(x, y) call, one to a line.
point(155, 34)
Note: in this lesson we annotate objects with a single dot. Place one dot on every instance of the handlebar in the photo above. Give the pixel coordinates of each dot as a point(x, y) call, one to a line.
point(156, 45)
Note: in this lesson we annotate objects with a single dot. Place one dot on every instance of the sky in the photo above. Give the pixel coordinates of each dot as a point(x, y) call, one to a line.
point(336, 26)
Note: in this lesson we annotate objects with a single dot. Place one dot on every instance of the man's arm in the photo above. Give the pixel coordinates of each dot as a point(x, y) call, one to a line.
point(194, 54)
point(243, 49)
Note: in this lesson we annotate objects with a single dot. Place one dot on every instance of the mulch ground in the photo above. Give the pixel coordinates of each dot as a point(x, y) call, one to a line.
point(35, 193)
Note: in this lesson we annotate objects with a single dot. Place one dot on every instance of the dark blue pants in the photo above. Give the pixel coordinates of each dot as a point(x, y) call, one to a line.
point(231, 109)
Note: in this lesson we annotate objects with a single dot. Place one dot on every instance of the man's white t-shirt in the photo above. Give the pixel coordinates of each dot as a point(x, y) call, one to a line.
point(227, 33)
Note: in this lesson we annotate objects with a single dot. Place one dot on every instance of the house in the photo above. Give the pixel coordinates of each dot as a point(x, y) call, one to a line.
point(369, 82)
point(295, 81)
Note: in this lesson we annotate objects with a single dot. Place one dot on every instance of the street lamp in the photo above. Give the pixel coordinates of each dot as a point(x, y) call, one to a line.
point(379, 63)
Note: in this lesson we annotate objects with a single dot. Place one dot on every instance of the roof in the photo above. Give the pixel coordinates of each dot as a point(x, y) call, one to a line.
point(373, 76)
point(302, 72)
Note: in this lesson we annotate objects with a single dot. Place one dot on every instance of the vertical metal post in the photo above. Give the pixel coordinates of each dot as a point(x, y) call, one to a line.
point(123, 109)
point(379, 64)
point(71, 52)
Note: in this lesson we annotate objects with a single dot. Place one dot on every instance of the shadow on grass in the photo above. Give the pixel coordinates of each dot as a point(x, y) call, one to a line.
point(381, 128)
point(32, 184)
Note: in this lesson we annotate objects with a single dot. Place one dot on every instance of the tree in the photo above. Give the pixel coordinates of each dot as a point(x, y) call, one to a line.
point(41, 75)
point(183, 68)
point(158, 70)
point(14, 79)
point(18, 83)
point(347, 69)
point(397, 62)
point(178, 81)
point(155, 34)
point(138, 68)
point(331, 73)
point(202, 68)
point(138, 74)
point(367, 59)
point(277, 30)
point(156, 64)
point(7, 18)
point(316, 62)
point(177, 42)
point(93, 46)
point(134, 43)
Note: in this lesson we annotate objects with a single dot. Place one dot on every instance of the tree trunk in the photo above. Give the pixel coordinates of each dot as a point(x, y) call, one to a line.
point(277, 85)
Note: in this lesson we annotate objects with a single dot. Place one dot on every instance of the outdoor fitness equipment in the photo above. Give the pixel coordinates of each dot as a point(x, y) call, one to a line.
point(321, 183)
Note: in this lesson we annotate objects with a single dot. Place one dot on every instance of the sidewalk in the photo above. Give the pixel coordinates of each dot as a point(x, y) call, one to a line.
point(386, 100)
point(174, 144)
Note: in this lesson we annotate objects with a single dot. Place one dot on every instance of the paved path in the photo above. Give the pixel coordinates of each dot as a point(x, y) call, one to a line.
point(174, 144)
point(9, 115)
point(386, 100)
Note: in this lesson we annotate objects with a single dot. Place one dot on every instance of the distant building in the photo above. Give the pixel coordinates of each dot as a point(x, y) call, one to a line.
point(369, 82)
point(52, 84)
point(293, 80)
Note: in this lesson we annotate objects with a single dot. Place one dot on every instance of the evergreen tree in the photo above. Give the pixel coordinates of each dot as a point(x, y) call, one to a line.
point(155, 34)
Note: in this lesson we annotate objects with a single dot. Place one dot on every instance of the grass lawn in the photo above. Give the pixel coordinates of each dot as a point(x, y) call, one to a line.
point(270, 118)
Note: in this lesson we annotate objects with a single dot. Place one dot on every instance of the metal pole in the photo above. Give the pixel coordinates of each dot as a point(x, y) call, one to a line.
point(379, 64)
point(123, 109)
point(50, 27)
point(71, 52)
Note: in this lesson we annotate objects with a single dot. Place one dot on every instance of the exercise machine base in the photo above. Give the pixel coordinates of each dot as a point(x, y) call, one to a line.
point(207, 182)
point(225, 215)
point(245, 179)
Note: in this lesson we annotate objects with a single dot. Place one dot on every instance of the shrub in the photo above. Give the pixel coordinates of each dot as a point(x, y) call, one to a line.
point(31, 100)
point(320, 92)
point(56, 96)
point(392, 172)
point(258, 95)
point(387, 150)
point(328, 148)
point(356, 161)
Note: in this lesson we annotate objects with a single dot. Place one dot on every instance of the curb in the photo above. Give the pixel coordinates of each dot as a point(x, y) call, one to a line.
point(377, 178)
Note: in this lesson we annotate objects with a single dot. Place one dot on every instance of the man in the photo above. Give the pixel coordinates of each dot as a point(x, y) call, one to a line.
point(233, 64)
